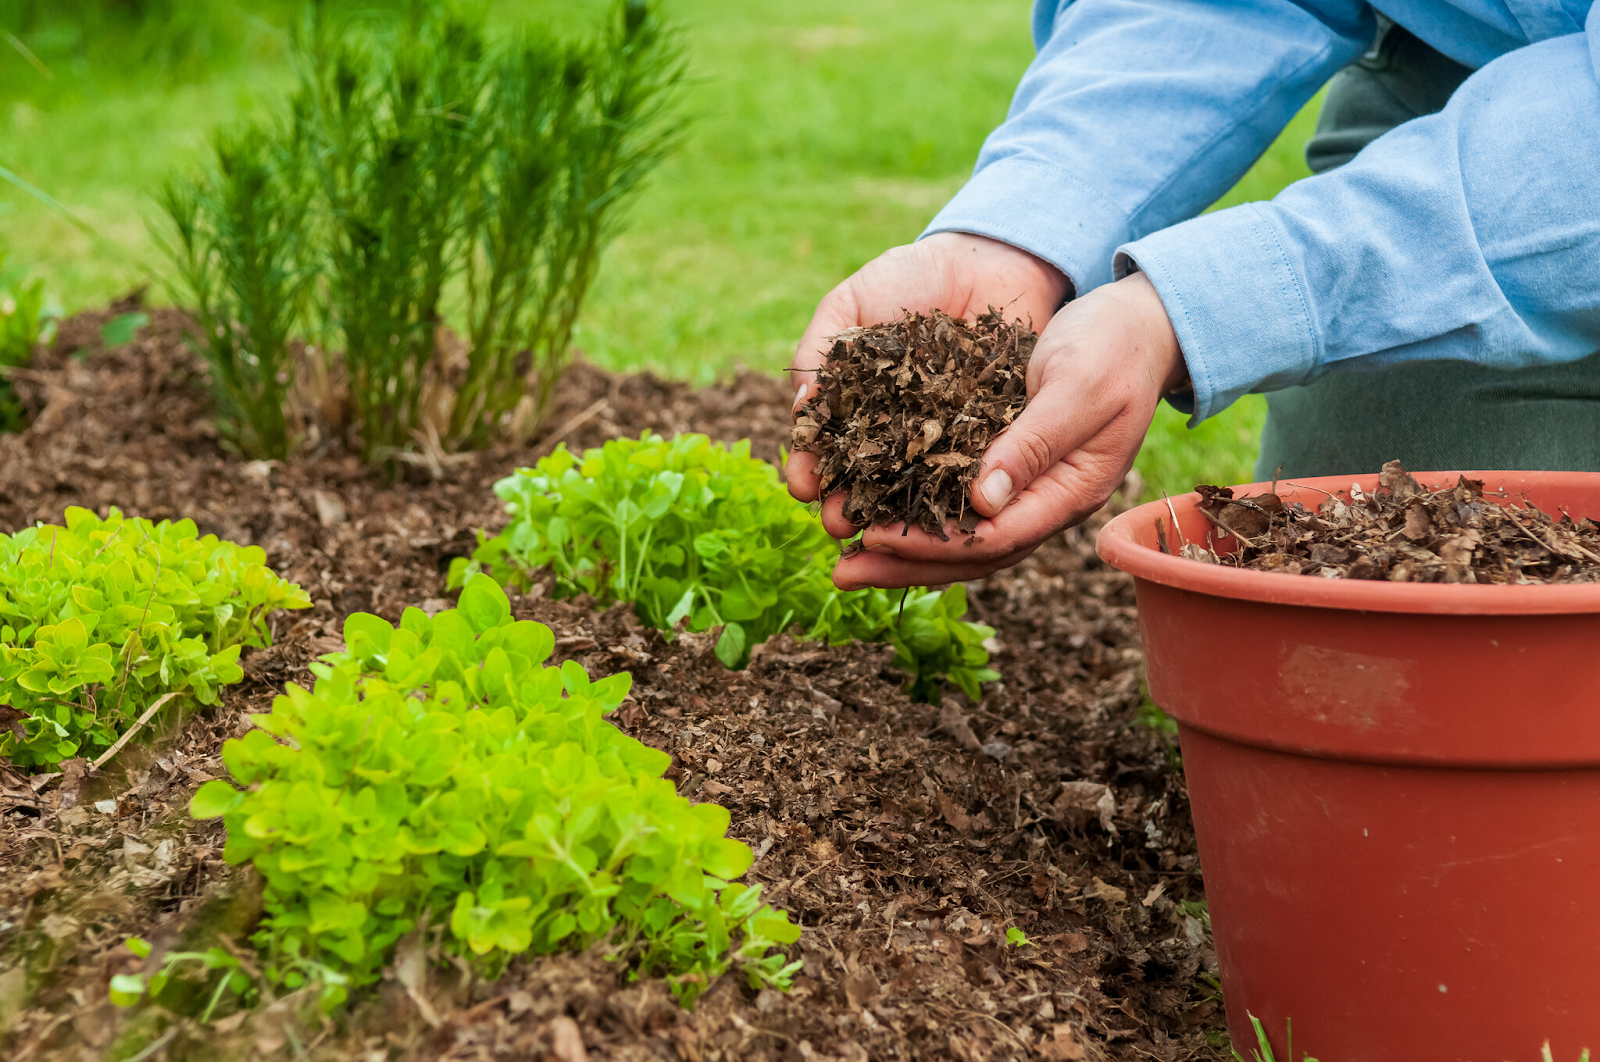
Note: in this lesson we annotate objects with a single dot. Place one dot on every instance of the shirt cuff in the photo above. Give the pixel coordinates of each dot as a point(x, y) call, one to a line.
point(1235, 300)
point(1043, 209)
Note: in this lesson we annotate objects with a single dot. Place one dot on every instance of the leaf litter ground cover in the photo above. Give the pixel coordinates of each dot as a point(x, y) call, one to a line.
point(901, 413)
point(906, 838)
point(1402, 532)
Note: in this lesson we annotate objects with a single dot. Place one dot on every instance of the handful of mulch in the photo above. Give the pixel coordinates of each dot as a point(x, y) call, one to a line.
point(902, 412)
point(1403, 532)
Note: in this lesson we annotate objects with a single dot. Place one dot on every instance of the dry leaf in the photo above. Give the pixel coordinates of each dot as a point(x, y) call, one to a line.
point(953, 721)
point(1079, 802)
point(1062, 1046)
point(1419, 525)
point(901, 413)
point(861, 987)
point(954, 814)
point(1100, 890)
point(330, 509)
point(566, 1042)
point(1405, 532)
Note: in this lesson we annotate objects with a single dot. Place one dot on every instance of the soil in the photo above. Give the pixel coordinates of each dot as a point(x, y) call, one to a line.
point(905, 837)
point(902, 412)
point(1403, 532)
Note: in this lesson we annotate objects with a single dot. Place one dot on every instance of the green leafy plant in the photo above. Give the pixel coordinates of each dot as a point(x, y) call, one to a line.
point(439, 777)
point(127, 990)
point(1151, 715)
point(421, 169)
point(100, 617)
point(693, 532)
point(1546, 1055)
point(25, 323)
point(1017, 938)
point(238, 240)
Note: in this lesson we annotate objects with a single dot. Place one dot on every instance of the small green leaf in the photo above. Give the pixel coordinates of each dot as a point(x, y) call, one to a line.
point(484, 604)
point(730, 646)
point(218, 959)
point(726, 858)
point(214, 799)
point(120, 330)
point(681, 609)
point(367, 636)
point(127, 989)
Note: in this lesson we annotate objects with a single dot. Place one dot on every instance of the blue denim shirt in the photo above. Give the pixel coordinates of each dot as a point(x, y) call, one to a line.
point(1472, 234)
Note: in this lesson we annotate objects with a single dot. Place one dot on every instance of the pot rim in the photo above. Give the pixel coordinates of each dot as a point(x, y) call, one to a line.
point(1119, 546)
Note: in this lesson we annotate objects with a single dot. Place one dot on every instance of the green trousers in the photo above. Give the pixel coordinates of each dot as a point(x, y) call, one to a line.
point(1432, 415)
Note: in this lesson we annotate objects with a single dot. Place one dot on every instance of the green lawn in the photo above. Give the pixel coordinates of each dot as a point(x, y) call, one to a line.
point(821, 134)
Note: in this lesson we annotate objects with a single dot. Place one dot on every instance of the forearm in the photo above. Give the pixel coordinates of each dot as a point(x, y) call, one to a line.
point(1138, 113)
point(1470, 235)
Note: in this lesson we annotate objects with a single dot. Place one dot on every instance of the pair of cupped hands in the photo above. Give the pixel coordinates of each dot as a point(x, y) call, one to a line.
point(1102, 363)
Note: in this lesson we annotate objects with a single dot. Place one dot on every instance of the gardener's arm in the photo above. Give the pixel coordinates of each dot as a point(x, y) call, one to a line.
point(1472, 235)
point(1134, 114)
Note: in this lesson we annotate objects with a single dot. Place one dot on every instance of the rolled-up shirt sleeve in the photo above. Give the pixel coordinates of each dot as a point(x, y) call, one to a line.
point(1136, 114)
point(1472, 234)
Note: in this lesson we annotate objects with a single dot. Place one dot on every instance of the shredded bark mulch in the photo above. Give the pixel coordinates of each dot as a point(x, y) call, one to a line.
point(905, 838)
point(901, 413)
point(1403, 532)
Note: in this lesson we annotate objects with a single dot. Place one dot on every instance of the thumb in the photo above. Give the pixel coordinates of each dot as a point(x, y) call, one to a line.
point(1101, 363)
point(1058, 420)
point(837, 311)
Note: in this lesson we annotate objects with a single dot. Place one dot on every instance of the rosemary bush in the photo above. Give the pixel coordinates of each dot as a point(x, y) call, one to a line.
point(239, 244)
point(395, 147)
point(455, 197)
point(575, 132)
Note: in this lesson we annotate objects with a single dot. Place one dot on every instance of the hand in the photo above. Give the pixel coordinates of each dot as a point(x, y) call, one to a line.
point(1101, 366)
point(962, 275)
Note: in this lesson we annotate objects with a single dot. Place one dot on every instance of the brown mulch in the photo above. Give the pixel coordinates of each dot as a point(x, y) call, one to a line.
point(1402, 532)
point(900, 414)
point(906, 838)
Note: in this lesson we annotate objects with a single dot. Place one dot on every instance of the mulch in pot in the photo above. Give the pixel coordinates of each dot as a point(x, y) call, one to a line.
point(1403, 532)
point(906, 838)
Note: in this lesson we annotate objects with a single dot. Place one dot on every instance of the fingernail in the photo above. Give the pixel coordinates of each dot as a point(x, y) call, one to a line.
point(800, 395)
point(996, 488)
point(881, 547)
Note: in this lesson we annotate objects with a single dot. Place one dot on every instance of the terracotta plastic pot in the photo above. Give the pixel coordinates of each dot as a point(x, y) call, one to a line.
point(1396, 791)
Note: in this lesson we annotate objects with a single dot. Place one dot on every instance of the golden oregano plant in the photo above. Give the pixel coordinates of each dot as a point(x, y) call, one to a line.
point(441, 777)
point(101, 617)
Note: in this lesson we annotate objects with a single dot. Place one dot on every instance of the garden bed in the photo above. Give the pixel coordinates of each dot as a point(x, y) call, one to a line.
point(906, 838)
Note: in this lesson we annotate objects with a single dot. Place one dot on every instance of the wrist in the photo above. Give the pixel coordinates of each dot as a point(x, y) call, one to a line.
point(995, 257)
point(1155, 337)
